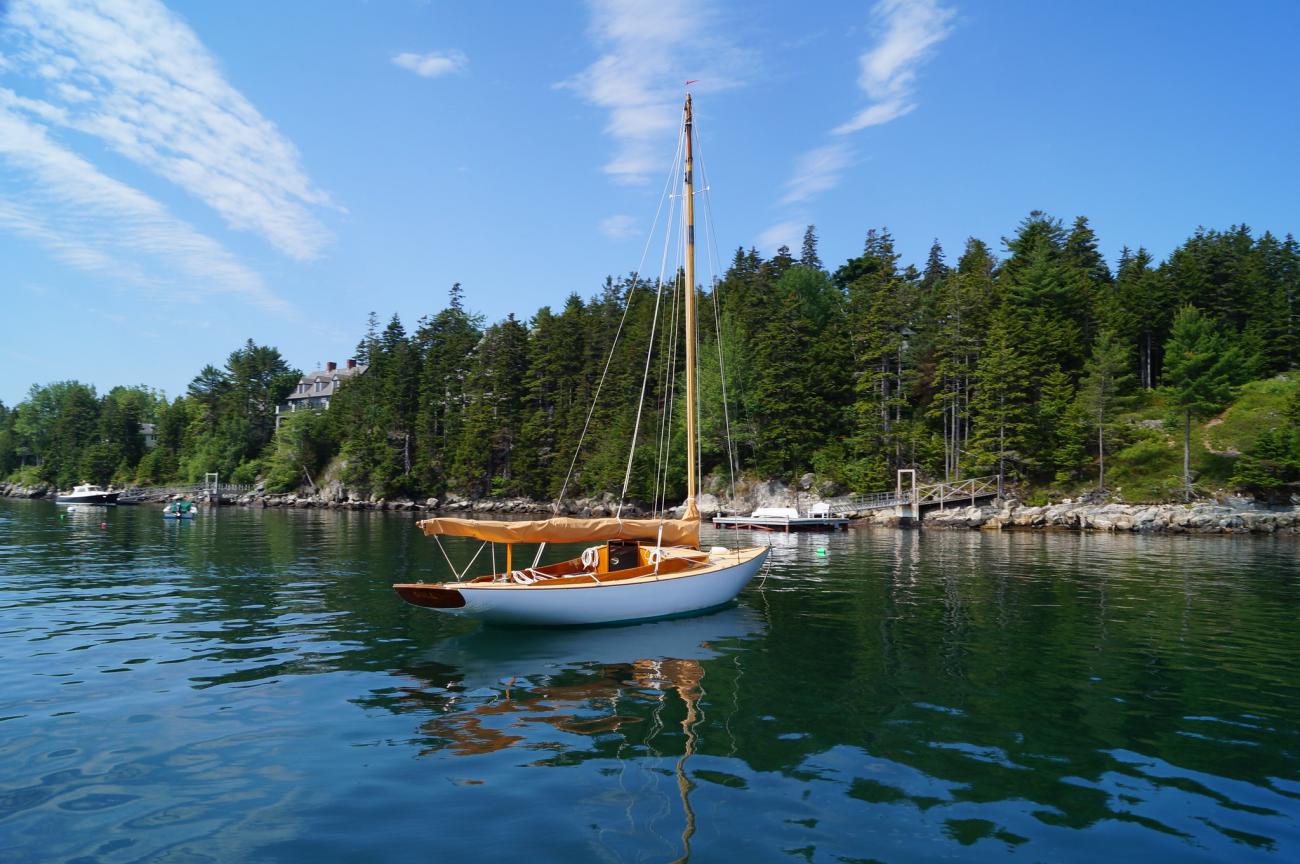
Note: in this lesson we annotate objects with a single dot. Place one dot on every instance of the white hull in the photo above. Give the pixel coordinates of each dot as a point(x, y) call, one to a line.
point(607, 603)
point(100, 499)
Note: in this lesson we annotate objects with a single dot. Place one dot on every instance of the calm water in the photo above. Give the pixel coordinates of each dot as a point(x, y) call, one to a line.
point(247, 688)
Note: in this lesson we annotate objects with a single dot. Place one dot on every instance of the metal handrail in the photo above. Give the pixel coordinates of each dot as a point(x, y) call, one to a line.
point(931, 493)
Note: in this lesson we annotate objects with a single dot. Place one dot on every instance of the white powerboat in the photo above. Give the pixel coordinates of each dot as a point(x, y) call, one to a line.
point(87, 493)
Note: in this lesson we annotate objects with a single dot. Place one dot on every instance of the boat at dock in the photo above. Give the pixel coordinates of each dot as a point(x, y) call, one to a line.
point(639, 569)
point(818, 518)
point(87, 493)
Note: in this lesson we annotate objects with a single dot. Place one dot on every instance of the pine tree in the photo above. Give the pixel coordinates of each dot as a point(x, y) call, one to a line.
point(445, 344)
point(1002, 405)
point(398, 375)
point(808, 256)
point(1105, 389)
point(801, 383)
point(963, 303)
point(935, 270)
point(484, 461)
point(880, 313)
point(1199, 374)
point(1138, 309)
point(1061, 428)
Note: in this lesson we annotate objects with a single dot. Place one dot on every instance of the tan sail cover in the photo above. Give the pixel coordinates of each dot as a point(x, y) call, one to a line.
point(676, 532)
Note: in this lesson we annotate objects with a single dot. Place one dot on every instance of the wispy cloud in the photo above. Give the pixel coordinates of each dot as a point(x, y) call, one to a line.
point(95, 223)
point(619, 227)
point(781, 234)
point(433, 64)
point(909, 31)
point(650, 47)
point(134, 75)
point(816, 171)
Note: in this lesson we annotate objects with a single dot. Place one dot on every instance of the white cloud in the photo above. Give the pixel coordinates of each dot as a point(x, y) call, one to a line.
point(817, 171)
point(782, 234)
point(134, 75)
point(95, 223)
point(910, 30)
point(433, 64)
point(651, 47)
point(619, 227)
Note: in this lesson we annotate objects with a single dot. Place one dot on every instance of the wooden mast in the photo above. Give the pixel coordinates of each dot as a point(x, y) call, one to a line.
point(689, 214)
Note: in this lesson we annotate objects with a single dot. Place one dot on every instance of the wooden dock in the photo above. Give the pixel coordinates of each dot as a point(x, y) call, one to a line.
point(833, 514)
point(909, 501)
point(785, 519)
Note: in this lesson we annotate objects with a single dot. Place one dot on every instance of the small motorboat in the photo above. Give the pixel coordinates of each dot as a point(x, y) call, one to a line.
point(87, 493)
point(180, 510)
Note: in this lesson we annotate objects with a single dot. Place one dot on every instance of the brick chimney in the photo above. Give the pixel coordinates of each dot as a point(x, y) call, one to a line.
point(331, 366)
point(352, 364)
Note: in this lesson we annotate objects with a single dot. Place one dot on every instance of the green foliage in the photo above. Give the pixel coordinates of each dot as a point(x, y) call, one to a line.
point(9, 459)
point(1003, 406)
point(301, 449)
point(1026, 367)
point(1199, 373)
point(1062, 428)
point(1270, 468)
point(1105, 390)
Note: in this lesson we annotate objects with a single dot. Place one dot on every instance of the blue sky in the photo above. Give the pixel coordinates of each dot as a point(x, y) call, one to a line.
point(177, 178)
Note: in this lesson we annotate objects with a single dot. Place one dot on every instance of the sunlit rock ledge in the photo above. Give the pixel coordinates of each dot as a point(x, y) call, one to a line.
point(1196, 518)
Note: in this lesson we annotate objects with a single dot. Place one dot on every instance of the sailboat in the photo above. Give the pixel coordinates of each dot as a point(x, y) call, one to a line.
point(640, 569)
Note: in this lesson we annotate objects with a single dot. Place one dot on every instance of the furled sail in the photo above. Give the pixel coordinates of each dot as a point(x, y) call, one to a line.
point(675, 532)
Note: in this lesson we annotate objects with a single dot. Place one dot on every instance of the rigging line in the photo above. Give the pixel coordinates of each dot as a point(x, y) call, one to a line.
point(670, 376)
point(711, 234)
point(670, 397)
point(715, 266)
point(664, 394)
point(555, 508)
point(462, 573)
point(645, 377)
point(640, 404)
point(669, 337)
point(678, 311)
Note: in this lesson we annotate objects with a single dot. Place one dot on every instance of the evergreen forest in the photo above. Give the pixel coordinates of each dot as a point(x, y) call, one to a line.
point(1037, 362)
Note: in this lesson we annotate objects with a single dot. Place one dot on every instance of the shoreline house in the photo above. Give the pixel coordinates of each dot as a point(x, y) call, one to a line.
point(315, 389)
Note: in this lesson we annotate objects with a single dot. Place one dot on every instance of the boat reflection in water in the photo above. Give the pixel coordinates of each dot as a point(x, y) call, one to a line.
point(629, 693)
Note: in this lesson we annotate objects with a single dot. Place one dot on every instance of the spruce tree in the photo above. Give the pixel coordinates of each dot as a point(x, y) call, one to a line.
point(1002, 406)
point(445, 344)
point(1198, 376)
point(1061, 427)
point(808, 255)
point(1105, 389)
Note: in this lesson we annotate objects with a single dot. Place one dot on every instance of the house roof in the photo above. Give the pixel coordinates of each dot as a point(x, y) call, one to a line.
point(331, 379)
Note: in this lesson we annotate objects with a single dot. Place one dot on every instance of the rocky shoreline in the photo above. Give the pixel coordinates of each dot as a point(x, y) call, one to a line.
point(1197, 518)
point(1235, 517)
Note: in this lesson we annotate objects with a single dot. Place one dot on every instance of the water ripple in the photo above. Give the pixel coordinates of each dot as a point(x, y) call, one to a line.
point(247, 687)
